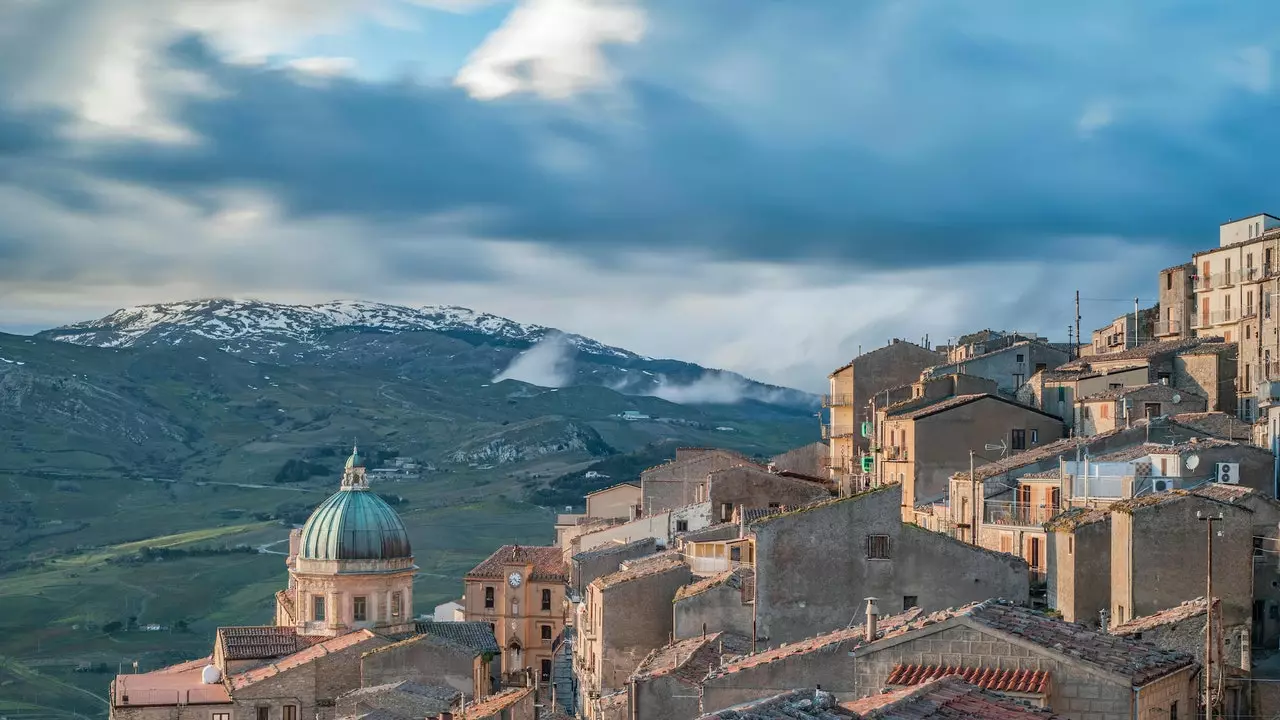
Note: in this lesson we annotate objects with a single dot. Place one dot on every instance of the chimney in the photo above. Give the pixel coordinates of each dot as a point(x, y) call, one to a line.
point(1103, 616)
point(873, 614)
point(742, 522)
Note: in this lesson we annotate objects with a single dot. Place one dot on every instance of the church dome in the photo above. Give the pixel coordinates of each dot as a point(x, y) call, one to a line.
point(354, 523)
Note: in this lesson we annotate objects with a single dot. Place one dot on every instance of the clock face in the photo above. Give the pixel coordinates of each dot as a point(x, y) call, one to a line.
point(514, 579)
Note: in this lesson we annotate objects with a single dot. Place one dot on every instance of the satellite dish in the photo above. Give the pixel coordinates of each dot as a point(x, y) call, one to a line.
point(1176, 398)
point(210, 675)
point(1193, 462)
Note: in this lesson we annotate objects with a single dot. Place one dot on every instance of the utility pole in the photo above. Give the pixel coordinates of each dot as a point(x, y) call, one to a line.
point(1208, 520)
point(1136, 341)
point(1076, 348)
point(973, 500)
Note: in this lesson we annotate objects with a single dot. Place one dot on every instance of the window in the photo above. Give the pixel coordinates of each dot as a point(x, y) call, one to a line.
point(488, 597)
point(1018, 439)
point(1168, 281)
point(317, 608)
point(1062, 393)
point(290, 712)
point(1164, 467)
point(1102, 411)
point(1006, 543)
point(1173, 710)
point(546, 671)
point(1071, 544)
point(878, 547)
point(735, 553)
point(1033, 553)
point(221, 716)
point(726, 512)
point(359, 609)
point(1017, 379)
point(1055, 498)
point(909, 601)
point(1035, 436)
point(1042, 366)
point(1151, 410)
point(682, 526)
point(546, 599)
point(397, 604)
point(1021, 358)
point(775, 506)
point(264, 712)
point(546, 632)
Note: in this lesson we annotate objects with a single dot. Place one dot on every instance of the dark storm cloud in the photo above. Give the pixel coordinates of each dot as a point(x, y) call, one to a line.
point(957, 142)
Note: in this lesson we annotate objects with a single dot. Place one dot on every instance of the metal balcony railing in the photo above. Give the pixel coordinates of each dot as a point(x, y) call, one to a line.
point(836, 431)
point(896, 453)
point(837, 400)
point(1169, 327)
point(1221, 316)
point(1018, 514)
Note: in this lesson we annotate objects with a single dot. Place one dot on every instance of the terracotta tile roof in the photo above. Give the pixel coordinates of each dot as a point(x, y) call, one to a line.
point(1216, 492)
point(300, 658)
point(615, 548)
point(1168, 616)
point(475, 635)
point(1075, 518)
point(1120, 392)
point(629, 483)
point(258, 643)
point(1016, 681)
point(494, 704)
point(1216, 424)
point(1041, 453)
point(645, 567)
point(690, 660)
point(548, 562)
point(404, 699)
point(948, 698)
point(719, 531)
point(733, 578)
point(1136, 661)
point(1042, 475)
point(817, 504)
point(172, 685)
point(732, 454)
point(1144, 352)
point(750, 515)
point(936, 407)
point(886, 627)
point(794, 705)
point(612, 700)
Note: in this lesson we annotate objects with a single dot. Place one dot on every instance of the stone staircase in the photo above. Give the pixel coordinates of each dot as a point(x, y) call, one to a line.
point(562, 677)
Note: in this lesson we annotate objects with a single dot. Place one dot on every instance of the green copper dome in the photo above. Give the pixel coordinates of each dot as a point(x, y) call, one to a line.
point(354, 524)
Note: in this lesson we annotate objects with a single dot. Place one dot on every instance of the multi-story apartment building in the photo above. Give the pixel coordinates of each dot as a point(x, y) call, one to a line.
point(1177, 303)
point(854, 385)
point(520, 592)
point(1234, 290)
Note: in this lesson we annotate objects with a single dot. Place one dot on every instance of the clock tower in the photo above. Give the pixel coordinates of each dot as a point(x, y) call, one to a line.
point(520, 590)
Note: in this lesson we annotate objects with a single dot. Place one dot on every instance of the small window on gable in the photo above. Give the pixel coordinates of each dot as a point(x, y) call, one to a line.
point(878, 547)
point(909, 601)
point(682, 526)
point(264, 712)
point(290, 712)
point(1021, 357)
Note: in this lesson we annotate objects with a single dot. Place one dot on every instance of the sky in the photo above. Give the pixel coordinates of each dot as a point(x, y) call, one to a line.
point(764, 186)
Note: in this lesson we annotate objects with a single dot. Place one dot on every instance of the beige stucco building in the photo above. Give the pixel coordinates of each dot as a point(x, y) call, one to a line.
point(520, 591)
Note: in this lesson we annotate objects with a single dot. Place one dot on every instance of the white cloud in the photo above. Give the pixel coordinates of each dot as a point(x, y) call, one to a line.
point(1096, 115)
point(551, 48)
point(547, 364)
point(323, 66)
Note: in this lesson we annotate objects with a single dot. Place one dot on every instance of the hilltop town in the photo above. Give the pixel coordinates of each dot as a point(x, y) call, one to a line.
point(997, 527)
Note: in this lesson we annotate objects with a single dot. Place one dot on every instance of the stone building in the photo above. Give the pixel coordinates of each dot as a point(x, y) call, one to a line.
point(1081, 674)
point(623, 617)
point(749, 486)
point(1121, 406)
point(604, 559)
point(343, 624)
point(854, 385)
point(674, 483)
point(810, 460)
point(803, 586)
point(520, 590)
point(1176, 304)
point(925, 440)
point(1078, 551)
point(717, 603)
point(1008, 367)
point(350, 565)
point(1124, 333)
point(622, 501)
point(666, 684)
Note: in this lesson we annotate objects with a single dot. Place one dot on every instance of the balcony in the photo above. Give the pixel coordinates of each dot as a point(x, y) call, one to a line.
point(1217, 317)
point(1015, 514)
point(1201, 283)
point(836, 431)
point(1249, 312)
point(837, 400)
point(895, 453)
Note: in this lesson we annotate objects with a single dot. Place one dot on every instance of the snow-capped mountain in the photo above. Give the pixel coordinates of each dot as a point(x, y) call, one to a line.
point(241, 322)
point(426, 342)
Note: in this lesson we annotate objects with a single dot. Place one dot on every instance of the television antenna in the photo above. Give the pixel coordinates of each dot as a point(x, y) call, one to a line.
point(1003, 447)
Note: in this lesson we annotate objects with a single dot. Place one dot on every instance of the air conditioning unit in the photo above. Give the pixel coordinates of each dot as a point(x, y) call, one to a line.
point(1161, 485)
point(1228, 473)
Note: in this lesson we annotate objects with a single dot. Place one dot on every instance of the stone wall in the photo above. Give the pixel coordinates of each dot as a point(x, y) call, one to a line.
point(426, 661)
point(805, 460)
point(1210, 374)
point(664, 698)
point(830, 668)
point(752, 487)
point(311, 687)
point(1003, 367)
point(1079, 572)
point(717, 609)
point(675, 484)
point(636, 619)
point(803, 587)
point(599, 563)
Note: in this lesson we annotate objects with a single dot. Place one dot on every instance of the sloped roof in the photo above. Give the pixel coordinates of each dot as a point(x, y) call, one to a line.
point(690, 660)
point(300, 658)
point(1121, 392)
point(405, 698)
point(642, 568)
point(495, 704)
point(947, 698)
point(1212, 491)
point(1216, 424)
point(1144, 352)
point(1074, 518)
point(732, 578)
point(1168, 616)
point(258, 642)
point(472, 634)
point(615, 486)
point(615, 548)
point(548, 562)
point(1018, 681)
point(162, 687)
point(803, 704)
